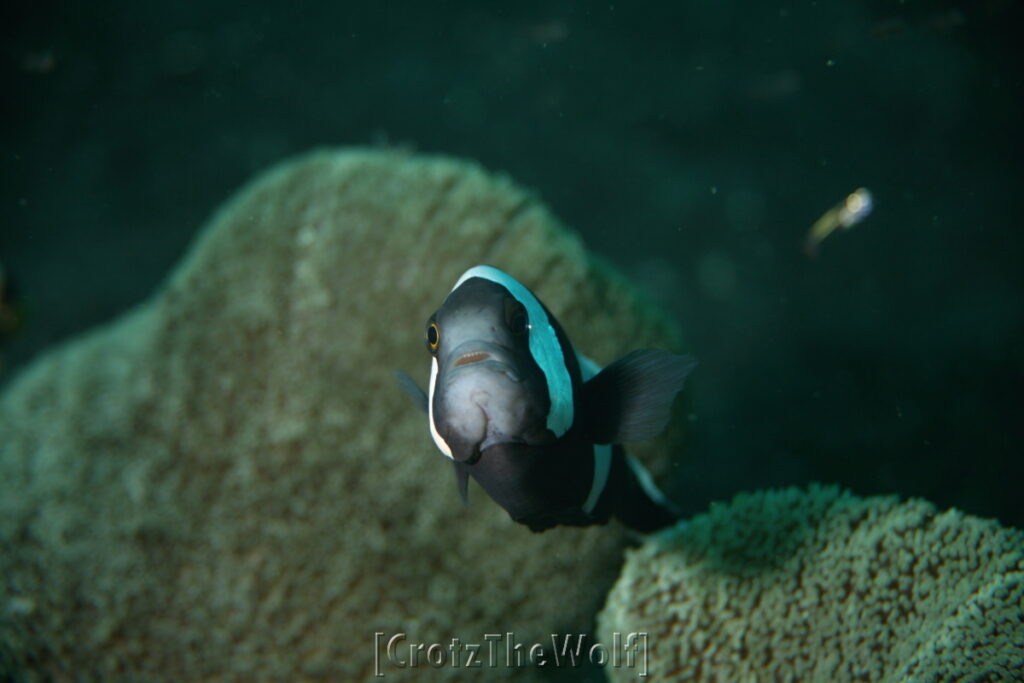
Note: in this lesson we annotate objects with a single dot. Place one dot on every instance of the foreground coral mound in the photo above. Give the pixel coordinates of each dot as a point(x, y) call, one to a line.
point(226, 482)
point(820, 585)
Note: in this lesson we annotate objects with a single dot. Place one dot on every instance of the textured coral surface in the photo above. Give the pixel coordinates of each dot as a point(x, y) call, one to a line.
point(227, 483)
point(819, 585)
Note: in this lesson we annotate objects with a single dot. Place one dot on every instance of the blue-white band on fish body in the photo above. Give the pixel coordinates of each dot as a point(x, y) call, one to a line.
point(602, 452)
point(544, 347)
point(602, 466)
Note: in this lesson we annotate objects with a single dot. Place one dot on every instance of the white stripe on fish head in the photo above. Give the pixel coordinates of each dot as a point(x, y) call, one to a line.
point(442, 445)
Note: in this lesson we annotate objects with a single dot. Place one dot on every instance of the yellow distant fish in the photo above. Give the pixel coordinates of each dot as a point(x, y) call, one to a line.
point(846, 214)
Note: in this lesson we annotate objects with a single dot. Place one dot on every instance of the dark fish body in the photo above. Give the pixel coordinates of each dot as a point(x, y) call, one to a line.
point(537, 426)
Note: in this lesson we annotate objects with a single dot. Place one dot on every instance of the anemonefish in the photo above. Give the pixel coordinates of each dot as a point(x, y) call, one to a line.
point(535, 424)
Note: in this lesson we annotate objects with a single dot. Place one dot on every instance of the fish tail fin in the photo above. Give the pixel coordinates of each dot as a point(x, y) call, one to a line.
point(638, 502)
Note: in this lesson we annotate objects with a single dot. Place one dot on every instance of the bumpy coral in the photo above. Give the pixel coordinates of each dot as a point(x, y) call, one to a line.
point(819, 585)
point(227, 483)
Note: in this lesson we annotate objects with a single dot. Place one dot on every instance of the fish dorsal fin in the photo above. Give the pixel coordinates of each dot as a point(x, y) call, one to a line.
point(631, 399)
point(462, 482)
point(409, 386)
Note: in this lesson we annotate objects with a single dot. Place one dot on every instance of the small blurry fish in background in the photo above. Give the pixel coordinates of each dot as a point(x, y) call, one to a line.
point(548, 32)
point(39, 63)
point(941, 22)
point(844, 215)
point(11, 315)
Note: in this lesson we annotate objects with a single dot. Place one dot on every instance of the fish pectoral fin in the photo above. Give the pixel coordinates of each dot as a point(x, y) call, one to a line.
point(631, 399)
point(462, 482)
point(409, 386)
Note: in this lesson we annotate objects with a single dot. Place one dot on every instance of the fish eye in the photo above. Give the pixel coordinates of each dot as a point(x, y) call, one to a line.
point(433, 336)
point(515, 317)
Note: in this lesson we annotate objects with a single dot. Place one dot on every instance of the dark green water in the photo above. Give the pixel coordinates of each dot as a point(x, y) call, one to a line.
point(692, 144)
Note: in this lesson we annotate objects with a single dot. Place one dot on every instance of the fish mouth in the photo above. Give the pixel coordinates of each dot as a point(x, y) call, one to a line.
point(487, 397)
point(484, 356)
point(471, 357)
